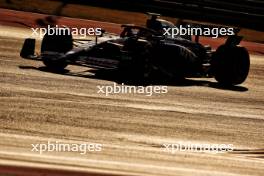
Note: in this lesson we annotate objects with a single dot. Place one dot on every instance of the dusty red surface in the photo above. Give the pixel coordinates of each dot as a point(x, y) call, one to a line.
point(27, 19)
point(32, 171)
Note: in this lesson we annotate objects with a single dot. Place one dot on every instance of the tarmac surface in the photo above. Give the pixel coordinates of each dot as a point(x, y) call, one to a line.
point(37, 107)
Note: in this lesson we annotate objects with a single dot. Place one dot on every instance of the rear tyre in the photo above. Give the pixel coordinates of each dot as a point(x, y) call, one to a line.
point(231, 64)
point(56, 43)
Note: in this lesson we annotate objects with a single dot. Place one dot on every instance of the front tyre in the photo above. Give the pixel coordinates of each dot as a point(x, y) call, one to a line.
point(230, 64)
point(55, 44)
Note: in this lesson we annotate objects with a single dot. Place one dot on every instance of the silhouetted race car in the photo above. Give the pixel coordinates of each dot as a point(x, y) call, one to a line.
point(144, 52)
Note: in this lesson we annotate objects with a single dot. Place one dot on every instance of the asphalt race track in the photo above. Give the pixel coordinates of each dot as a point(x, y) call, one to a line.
point(37, 106)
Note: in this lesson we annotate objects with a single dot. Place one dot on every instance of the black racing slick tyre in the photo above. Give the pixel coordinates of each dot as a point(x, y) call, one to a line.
point(58, 44)
point(230, 65)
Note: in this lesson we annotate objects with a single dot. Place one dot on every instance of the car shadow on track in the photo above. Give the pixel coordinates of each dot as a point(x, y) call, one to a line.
point(111, 75)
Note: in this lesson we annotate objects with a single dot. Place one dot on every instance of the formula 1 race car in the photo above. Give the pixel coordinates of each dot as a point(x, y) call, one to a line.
point(143, 52)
